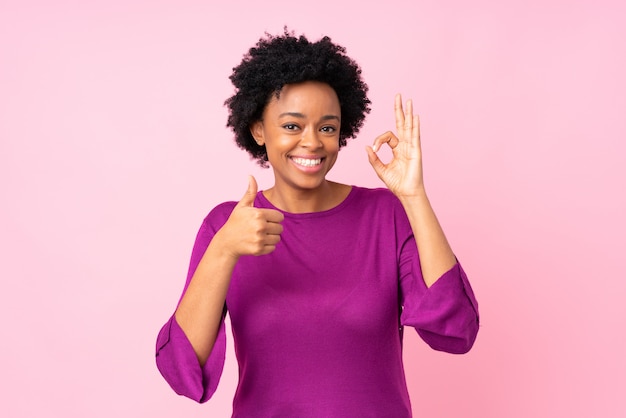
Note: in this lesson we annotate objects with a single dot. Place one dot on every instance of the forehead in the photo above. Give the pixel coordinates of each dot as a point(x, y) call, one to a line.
point(310, 97)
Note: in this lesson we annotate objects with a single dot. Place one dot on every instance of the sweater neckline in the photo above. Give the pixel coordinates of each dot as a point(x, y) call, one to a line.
point(265, 203)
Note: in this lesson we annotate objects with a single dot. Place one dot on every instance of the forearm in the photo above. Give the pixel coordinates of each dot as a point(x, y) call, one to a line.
point(200, 310)
point(436, 256)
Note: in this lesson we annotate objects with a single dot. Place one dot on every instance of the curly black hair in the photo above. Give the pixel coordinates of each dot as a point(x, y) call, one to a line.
point(286, 59)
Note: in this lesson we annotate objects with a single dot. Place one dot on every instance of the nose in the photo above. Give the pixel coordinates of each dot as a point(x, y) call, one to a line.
point(310, 139)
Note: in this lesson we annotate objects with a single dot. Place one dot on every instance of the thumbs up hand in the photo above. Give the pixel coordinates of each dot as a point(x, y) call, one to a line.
point(250, 230)
point(248, 198)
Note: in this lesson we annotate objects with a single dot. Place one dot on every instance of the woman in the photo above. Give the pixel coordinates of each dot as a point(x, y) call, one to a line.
point(319, 278)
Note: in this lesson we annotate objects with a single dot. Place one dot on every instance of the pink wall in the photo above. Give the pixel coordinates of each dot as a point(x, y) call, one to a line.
point(113, 148)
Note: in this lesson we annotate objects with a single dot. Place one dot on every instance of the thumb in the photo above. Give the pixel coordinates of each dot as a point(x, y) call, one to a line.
point(250, 195)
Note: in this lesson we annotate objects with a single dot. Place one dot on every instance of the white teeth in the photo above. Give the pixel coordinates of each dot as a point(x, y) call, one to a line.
point(307, 162)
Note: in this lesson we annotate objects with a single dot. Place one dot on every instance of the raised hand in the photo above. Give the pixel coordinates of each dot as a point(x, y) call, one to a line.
point(403, 174)
point(250, 230)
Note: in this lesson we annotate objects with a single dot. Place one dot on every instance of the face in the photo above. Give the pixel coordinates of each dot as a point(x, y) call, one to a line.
point(300, 131)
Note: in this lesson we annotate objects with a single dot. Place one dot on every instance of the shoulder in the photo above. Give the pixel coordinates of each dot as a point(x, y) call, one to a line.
point(383, 206)
point(218, 216)
point(378, 197)
point(376, 192)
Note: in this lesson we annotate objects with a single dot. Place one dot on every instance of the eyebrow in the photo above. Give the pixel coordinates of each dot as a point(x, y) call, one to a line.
point(302, 116)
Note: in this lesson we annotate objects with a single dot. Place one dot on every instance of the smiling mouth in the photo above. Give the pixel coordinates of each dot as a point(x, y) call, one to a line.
point(307, 162)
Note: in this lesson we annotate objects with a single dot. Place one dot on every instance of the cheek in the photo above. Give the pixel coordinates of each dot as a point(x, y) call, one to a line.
point(332, 145)
point(332, 150)
point(276, 147)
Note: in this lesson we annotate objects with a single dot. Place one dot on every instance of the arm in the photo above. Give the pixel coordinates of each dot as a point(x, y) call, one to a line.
point(403, 176)
point(248, 231)
point(436, 256)
point(191, 345)
point(175, 356)
point(437, 298)
point(199, 312)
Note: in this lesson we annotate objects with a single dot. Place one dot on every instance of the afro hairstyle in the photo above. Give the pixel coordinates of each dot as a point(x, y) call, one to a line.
point(286, 59)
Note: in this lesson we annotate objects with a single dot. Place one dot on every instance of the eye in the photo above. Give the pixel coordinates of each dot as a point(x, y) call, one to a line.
point(290, 126)
point(328, 129)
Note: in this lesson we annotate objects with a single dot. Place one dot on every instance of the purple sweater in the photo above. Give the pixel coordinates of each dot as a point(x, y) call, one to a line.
point(317, 324)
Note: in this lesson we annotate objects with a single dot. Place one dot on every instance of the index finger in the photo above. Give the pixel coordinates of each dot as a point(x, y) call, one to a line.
point(272, 215)
point(388, 137)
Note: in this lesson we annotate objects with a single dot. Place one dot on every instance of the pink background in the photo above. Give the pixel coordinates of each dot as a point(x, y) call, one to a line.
point(114, 147)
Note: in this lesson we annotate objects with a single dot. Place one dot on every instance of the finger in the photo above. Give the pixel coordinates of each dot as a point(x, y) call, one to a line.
point(272, 215)
point(399, 113)
point(272, 228)
point(250, 195)
point(408, 120)
point(269, 244)
point(415, 134)
point(386, 138)
point(375, 162)
point(272, 240)
point(267, 249)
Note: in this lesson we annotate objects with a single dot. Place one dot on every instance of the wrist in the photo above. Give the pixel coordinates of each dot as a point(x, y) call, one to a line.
point(418, 193)
point(221, 248)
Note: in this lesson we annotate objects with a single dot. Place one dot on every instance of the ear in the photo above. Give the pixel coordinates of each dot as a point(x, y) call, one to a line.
point(256, 129)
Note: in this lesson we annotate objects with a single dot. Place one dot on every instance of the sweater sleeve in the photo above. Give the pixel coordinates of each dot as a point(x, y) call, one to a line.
point(180, 367)
point(175, 357)
point(444, 315)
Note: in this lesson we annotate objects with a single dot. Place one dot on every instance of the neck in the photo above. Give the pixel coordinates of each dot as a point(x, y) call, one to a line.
point(324, 197)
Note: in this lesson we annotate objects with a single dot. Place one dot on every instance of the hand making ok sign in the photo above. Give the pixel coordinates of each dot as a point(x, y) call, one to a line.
point(403, 174)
